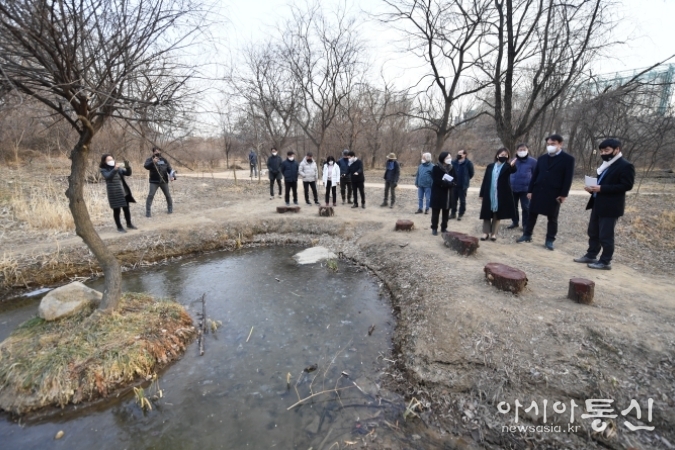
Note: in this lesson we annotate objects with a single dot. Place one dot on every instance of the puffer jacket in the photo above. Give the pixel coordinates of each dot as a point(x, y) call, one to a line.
point(308, 171)
point(520, 181)
point(119, 194)
point(423, 178)
point(159, 173)
point(289, 169)
point(334, 173)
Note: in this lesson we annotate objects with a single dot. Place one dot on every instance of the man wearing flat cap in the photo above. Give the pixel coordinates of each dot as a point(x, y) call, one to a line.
point(391, 175)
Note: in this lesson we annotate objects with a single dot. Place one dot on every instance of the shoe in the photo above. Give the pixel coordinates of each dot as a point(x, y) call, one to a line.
point(493, 238)
point(549, 245)
point(355, 205)
point(434, 232)
point(288, 204)
point(169, 211)
point(280, 195)
point(334, 205)
point(391, 206)
point(384, 204)
point(309, 203)
point(316, 202)
point(272, 197)
point(419, 211)
point(459, 217)
point(363, 205)
point(426, 211)
point(484, 238)
point(512, 226)
point(131, 227)
point(147, 214)
point(343, 202)
point(524, 238)
point(121, 230)
point(349, 201)
point(585, 260)
point(453, 216)
point(443, 231)
point(296, 203)
point(600, 266)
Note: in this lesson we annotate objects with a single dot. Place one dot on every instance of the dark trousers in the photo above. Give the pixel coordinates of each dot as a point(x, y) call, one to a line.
point(524, 204)
point(435, 212)
point(601, 237)
point(127, 216)
point(390, 186)
point(357, 187)
point(278, 180)
point(310, 184)
point(345, 184)
point(291, 185)
point(151, 195)
point(330, 188)
point(551, 228)
point(254, 170)
point(460, 199)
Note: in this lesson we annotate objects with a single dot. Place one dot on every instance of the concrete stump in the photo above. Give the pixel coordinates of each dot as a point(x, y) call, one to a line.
point(581, 290)
point(461, 242)
point(285, 209)
point(404, 225)
point(505, 278)
point(326, 211)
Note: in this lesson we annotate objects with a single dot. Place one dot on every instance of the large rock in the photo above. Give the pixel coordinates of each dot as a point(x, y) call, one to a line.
point(67, 300)
point(313, 255)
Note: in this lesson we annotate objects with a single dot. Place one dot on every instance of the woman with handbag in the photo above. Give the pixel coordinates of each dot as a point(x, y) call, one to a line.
point(119, 194)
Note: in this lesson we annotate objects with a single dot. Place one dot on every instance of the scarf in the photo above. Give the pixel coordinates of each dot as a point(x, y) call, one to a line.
point(606, 164)
point(494, 203)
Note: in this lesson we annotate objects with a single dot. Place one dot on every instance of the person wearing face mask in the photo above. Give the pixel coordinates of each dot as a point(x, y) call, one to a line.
point(274, 171)
point(423, 182)
point(520, 182)
point(331, 179)
point(119, 194)
point(442, 195)
point(345, 181)
point(464, 170)
point(357, 178)
point(549, 187)
point(161, 174)
point(309, 172)
point(391, 176)
point(289, 170)
point(607, 203)
point(496, 194)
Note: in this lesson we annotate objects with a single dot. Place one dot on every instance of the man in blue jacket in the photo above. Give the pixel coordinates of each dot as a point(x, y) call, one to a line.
point(345, 179)
point(464, 174)
point(423, 182)
point(520, 182)
point(391, 176)
point(289, 169)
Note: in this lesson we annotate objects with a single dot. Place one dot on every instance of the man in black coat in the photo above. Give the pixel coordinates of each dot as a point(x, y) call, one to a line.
point(274, 171)
point(161, 174)
point(549, 187)
point(289, 169)
point(464, 171)
point(607, 203)
point(345, 181)
point(357, 178)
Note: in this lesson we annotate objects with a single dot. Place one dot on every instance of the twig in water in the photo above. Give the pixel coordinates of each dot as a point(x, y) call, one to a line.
point(315, 395)
point(249, 334)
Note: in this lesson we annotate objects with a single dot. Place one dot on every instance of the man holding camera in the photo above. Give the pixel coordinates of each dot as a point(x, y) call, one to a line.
point(161, 174)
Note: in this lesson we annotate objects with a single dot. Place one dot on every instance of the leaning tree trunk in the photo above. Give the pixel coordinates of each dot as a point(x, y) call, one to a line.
point(112, 272)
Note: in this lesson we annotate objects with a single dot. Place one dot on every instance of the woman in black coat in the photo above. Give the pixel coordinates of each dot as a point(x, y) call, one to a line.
point(496, 194)
point(119, 194)
point(442, 198)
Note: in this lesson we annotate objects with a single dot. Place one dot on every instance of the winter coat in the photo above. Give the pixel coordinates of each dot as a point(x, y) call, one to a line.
point(119, 194)
point(423, 178)
point(335, 174)
point(392, 175)
point(273, 163)
point(617, 180)
point(552, 178)
point(308, 171)
point(289, 169)
point(520, 181)
point(506, 208)
point(464, 173)
point(253, 158)
point(442, 194)
point(159, 172)
point(356, 172)
point(343, 163)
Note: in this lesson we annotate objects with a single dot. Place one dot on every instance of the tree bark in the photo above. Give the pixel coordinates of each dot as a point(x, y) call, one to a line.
point(112, 272)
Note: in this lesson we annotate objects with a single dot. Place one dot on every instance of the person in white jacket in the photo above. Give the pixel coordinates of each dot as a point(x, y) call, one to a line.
point(309, 173)
point(331, 179)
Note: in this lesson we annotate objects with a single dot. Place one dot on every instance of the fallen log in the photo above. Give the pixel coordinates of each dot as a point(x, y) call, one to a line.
point(505, 278)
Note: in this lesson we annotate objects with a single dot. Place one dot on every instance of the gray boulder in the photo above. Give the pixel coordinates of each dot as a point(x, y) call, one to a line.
point(67, 300)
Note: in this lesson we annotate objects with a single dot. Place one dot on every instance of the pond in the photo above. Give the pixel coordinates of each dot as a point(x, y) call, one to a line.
point(322, 330)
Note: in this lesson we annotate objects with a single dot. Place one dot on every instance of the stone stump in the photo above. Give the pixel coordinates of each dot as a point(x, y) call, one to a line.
point(581, 290)
point(404, 225)
point(285, 209)
point(461, 242)
point(326, 211)
point(505, 278)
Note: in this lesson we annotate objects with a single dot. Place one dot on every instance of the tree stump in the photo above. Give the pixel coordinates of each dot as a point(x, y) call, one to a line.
point(461, 242)
point(404, 225)
point(285, 209)
point(505, 278)
point(326, 211)
point(581, 290)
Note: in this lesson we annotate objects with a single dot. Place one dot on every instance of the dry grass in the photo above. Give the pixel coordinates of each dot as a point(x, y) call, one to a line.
point(87, 356)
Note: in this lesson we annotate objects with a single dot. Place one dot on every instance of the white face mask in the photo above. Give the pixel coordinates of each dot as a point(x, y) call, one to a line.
point(330, 163)
point(448, 160)
point(274, 153)
point(423, 161)
point(351, 160)
point(551, 149)
point(522, 153)
point(291, 158)
point(111, 163)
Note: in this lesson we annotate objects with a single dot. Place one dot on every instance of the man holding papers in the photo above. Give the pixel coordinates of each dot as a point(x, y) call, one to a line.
point(442, 195)
point(607, 203)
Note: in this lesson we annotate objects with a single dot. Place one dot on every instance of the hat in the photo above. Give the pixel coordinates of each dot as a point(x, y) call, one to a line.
point(391, 156)
point(344, 152)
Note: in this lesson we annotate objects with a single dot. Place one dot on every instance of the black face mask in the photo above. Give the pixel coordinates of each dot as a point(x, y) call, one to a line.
point(309, 160)
point(607, 157)
point(157, 155)
point(502, 159)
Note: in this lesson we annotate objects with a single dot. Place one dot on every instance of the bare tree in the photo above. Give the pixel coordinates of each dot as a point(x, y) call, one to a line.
point(449, 36)
point(86, 60)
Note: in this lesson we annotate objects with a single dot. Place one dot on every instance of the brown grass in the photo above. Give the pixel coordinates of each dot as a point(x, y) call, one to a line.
point(86, 356)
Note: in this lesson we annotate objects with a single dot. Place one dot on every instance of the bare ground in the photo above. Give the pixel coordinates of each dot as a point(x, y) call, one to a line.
point(462, 346)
